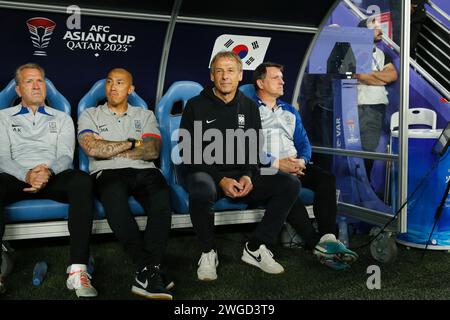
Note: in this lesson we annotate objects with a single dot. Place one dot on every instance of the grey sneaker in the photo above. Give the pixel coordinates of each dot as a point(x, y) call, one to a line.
point(207, 266)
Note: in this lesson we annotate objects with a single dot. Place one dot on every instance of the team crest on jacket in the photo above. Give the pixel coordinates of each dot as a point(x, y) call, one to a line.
point(137, 125)
point(241, 120)
point(289, 119)
point(52, 127)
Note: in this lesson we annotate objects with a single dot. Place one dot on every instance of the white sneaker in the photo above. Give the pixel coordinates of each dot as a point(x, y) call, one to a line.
point(207, 266)
point(79, 280)
point(263, 259)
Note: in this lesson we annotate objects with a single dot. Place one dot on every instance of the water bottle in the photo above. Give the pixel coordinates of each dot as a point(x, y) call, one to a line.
point(90, 266)
point(39, 272)
point(343, 231)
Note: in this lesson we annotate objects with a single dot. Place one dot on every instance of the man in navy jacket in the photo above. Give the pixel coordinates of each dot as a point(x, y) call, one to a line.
point(218, 166)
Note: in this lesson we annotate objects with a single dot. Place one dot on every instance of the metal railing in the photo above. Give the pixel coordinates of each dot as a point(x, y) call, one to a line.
point(439, 10)
point(439, 87)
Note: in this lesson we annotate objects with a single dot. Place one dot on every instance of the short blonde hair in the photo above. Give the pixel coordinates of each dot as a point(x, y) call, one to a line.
point(30, 65)
point(226, 54)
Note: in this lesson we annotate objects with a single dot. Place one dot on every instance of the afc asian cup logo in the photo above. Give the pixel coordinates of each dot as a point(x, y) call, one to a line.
point(41, 30)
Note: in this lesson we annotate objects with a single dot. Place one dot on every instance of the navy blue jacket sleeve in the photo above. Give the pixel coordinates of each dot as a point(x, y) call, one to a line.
point(301, 140)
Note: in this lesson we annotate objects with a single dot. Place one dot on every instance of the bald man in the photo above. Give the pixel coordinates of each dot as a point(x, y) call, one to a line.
point(122, 141)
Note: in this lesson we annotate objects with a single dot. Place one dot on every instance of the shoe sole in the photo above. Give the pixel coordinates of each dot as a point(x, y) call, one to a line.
point(148, 295)
point(85, 295)
point(346, 258)
point(170, 286)
point(79, 295)
point(207, 279)
point(343, 257)
point(252, 262)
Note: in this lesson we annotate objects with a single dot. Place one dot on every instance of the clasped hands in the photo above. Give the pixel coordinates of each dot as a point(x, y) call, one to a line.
point(37, 178)
point(236, 189)
point(291, 165)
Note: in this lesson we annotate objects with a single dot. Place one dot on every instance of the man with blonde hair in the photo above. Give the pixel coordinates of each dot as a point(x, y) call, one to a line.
point(36, 154)
point(232, 172)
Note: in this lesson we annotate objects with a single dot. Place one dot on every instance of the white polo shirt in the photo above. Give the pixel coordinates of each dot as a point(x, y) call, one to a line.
point(136, 123)
point(369, 94)
point(27, 140)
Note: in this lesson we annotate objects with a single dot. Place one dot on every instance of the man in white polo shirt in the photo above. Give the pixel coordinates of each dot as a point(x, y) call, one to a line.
point(287, 144)
point(121, 142)
point(36, 152)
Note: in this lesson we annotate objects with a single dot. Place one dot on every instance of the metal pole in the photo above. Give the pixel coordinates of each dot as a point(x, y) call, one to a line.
point(403, 112)
point(166, 49)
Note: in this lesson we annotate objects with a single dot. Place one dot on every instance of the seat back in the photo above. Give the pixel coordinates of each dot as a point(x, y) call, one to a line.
point(248, 90)
point(55, 99)
point(91, 99)
point(416, 116)
point(178, 92)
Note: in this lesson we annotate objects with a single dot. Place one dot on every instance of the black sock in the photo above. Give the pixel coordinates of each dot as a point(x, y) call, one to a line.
point(253, 244)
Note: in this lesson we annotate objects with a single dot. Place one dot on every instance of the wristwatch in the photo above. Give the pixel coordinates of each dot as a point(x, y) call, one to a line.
point(133, 142)
point(138, 143)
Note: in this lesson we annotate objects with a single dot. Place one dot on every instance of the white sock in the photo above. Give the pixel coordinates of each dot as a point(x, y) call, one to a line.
point(76, 267)
point(328, 237)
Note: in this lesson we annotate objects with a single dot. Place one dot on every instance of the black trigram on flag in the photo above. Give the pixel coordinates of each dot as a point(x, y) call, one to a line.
point(249, 61)
point(255, 45)
point(228, 43)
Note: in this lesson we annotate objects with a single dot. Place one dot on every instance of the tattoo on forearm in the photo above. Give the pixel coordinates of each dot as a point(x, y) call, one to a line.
point(101, 149)
point(148, 151)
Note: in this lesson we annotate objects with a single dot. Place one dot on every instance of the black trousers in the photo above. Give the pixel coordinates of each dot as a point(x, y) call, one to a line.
point(323, 183)
point(278, 192)
point(371, 119)
point(150, 189)
point(70, 186)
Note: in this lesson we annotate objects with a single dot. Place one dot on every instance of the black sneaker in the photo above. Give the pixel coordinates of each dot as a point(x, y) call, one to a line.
point(149, 283)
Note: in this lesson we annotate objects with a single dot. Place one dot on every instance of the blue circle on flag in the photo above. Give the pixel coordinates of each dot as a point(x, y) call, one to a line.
point(241, 50)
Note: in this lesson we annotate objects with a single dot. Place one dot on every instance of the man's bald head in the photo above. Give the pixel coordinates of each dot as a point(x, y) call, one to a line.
point(123, 71)
point(118, 86)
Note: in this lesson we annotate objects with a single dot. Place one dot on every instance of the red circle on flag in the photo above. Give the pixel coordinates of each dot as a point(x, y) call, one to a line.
point(241, 50)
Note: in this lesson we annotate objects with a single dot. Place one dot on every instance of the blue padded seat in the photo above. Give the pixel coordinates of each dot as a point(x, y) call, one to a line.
point(35, 210)
point(91, 99)
point(306, 195)
point(180, 91)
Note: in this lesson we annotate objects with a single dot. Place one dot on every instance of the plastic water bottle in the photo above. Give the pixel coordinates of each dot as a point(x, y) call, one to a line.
point(39, 272)
point(90, 266)
point(343, 231)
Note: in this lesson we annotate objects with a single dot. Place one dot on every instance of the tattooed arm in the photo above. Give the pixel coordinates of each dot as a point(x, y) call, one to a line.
point(101, 149)
point(149, 150)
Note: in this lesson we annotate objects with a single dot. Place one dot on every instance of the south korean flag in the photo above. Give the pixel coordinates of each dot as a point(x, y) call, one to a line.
point(251, 50)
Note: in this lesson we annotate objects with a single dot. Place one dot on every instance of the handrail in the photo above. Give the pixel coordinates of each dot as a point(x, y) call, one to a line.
point(438, 22)
point(439, 10)
point(413, 63)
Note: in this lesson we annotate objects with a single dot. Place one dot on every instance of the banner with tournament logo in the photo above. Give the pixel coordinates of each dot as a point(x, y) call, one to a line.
point(76, 50)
